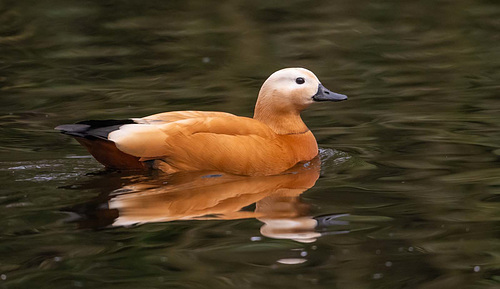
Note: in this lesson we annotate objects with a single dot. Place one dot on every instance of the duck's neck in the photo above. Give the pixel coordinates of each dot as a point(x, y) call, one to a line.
point(281, 121)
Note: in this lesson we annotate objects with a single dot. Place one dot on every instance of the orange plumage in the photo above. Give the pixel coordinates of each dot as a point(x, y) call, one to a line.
point(274, 140)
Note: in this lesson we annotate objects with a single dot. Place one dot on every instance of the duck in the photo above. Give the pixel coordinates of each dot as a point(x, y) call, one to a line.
point(273, 140)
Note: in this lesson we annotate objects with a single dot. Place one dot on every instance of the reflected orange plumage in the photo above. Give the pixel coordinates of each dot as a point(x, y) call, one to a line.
point(273, 141)
point(193, 195)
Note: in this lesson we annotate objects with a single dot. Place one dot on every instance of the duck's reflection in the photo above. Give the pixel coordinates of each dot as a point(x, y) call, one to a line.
point(213, 195)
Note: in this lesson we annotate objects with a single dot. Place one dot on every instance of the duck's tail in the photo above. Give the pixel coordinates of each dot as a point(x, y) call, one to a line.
point(93, 128)
point(93, 135)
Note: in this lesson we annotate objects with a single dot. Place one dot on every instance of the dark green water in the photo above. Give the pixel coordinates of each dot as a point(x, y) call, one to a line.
point(410, 186)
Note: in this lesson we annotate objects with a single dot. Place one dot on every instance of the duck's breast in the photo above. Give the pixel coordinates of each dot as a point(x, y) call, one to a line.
point(302, 146)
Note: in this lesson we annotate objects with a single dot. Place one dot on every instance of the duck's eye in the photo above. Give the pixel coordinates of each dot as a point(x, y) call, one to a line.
point(300, 80)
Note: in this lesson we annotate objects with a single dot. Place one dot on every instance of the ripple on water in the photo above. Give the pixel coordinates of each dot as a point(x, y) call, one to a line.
point(49, 170)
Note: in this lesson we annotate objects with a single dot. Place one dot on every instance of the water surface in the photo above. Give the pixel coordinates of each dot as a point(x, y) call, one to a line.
point(406, 195)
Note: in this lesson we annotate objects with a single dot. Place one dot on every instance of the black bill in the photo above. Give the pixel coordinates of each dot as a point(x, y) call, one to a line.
point(324, 94)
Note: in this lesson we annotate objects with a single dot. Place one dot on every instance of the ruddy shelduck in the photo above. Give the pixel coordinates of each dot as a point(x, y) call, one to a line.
point(271, 142)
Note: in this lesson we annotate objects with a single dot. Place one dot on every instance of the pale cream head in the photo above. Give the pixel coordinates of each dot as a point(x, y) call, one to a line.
point(289, 89)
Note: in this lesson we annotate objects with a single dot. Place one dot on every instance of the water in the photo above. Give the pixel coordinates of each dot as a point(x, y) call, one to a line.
point(410, 174)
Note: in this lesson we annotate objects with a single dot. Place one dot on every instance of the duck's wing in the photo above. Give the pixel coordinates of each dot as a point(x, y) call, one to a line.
point(225, 143)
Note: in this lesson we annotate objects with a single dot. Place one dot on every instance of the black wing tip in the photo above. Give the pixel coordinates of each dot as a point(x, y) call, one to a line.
point(92, 128)
point(72, 127)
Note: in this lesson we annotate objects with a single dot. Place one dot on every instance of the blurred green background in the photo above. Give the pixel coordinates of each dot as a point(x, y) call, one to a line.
point(412, 156)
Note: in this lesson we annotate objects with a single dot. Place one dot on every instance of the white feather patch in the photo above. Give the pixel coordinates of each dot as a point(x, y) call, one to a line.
point(140, 140)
